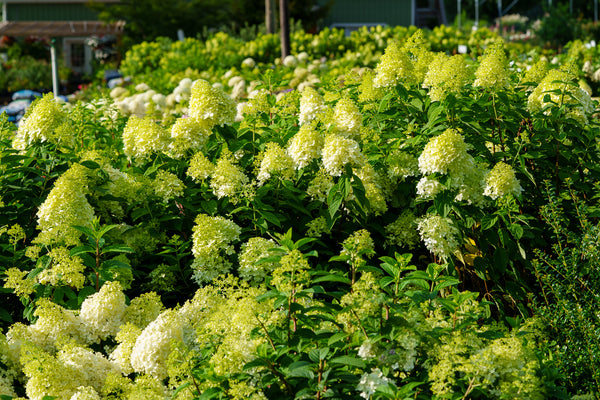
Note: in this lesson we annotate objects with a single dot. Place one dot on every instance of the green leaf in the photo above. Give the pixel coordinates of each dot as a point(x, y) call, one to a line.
point(117, 248)
point(270, 217)
point(517, 231)
point(211, 393)
point(488, 221)
point(446, 281)
point(332, 278)
point(88, 231)
point(90, 164)
point(500, 259)
point(86, 248)
point(347, 360)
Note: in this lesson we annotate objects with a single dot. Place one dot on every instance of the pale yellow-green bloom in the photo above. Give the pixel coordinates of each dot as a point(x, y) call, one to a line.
point(85, 393)
point(147, 387)
point(445, 153)
point(500, 181)
point(142, 138)
point(275, 162)
point(418, 54)
point(17, 281)
point(317, 227)
point(55, 325)
point(428, 188)
point(439, 235)
point(251, 252)
point(210, 105)
point(187, 134)
point(291, 275)
point(93, 366)
point(47, 376)
point(347, 119)
point(492, 73)
point(40, 122)
point(312, 106)
point(445, 75)
point(65, 206)
point(63, 270)
point(211, 243)
point(394, 67)
point(319, 186)
point(305, 146)
point(121, 355)
point(200, 167)
point(364, 301)
point(339, 151)
point(228, 180)
point(401, 165)
point(143, 309)
point(358, 246)
point(103, 312)
point(367, 90)
point(373, 189)
point(403, 231)
point(152, 347)
point(537, 72)
point(558, 89)
point(167, 185)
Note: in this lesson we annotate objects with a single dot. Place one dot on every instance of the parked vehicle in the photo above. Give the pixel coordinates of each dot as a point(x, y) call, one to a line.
point(21, 100)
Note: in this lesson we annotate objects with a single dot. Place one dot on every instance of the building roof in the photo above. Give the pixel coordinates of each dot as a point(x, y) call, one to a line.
point(60, 28)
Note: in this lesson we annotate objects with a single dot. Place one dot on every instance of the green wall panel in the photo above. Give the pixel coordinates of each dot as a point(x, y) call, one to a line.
point(391, 12)
point(49, 12)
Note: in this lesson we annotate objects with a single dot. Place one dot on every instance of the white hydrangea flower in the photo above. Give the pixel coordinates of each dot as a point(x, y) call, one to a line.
point(339, 151)
point(444, 153)
point(312, 106)
point(305, 146)
point(439, 235)
point(428, 188)
point(103, 311)
point(369, 383)
point(500, 181)
point(151, 350)
point(275, 161)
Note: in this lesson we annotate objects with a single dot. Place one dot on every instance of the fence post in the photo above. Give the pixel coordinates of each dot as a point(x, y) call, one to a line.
point(54, 63)
point(284, 26)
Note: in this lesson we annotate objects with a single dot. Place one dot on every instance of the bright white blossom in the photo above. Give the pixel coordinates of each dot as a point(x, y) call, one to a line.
point(339, 151)
point(102, 312)
point(152, 347)
point(312, 106)
point(369, 383)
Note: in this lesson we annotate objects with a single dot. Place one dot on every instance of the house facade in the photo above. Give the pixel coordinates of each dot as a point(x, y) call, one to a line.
point(71, 20)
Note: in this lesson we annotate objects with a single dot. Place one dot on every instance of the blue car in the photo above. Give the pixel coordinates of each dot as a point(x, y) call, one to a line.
point(21, 100)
